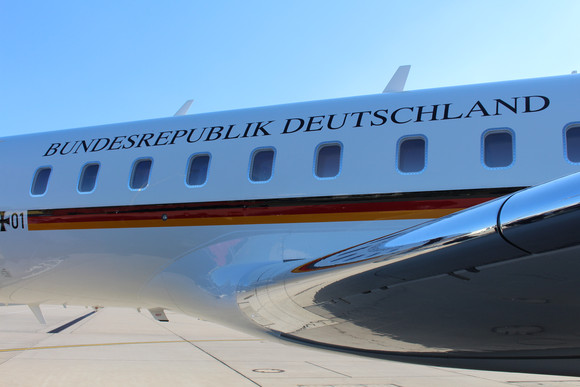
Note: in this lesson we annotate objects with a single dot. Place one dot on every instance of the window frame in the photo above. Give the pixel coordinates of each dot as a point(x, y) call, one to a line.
point(252, 160)
point(189, 165)
point(486, 133)
point(35, 180)
point(133, 170)
point(317, 150)
point(400, 142)
point(82, 174)
point(567, 127)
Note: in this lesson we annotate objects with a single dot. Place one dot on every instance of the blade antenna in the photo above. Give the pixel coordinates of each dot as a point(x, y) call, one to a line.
point(183, 110)
point(397, 82)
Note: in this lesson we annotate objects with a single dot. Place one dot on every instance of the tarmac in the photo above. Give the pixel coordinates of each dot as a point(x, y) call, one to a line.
point(125, 347)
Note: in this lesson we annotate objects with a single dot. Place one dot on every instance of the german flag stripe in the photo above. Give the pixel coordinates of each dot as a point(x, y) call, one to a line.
point(418, 205)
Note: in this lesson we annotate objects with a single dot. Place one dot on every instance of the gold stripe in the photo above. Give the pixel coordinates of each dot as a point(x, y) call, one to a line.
point(123, 343)
point(241, 220)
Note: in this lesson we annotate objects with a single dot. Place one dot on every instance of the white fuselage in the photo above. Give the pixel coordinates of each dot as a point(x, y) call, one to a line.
point(193, 263)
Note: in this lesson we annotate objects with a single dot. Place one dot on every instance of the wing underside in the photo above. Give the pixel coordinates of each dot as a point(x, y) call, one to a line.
point(495, 286)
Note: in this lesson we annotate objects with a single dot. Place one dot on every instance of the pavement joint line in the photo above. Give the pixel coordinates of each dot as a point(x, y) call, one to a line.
point(328, 369)
point(121, 343)
point(223, 362)
point(192, 342)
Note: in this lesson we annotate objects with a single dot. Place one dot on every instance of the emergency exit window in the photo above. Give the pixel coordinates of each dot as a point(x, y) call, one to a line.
point(498, 149)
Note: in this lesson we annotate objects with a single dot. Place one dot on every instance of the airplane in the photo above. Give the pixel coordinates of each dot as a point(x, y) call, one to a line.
point(433, 226)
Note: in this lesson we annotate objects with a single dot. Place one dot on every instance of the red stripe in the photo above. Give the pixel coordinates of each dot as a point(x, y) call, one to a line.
point(237, 209)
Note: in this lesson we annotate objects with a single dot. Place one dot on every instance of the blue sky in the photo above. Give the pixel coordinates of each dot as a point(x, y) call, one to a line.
point(66, 64)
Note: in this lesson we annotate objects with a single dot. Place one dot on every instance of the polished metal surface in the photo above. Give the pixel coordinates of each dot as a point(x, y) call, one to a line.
point(450, 289)
point(544, 218)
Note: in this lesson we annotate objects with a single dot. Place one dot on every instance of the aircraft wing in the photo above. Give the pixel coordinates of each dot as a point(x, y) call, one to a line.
point(494, 286)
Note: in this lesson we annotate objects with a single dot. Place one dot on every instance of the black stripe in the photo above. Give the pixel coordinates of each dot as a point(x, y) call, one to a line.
point(284, 202)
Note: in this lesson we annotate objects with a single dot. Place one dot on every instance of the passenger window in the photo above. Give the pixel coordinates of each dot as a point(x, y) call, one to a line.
point(88, 178)
point(262, 165)
point(412, 155)
point(328, 158)
point(40, 181)
point(573, 144)
point(197, 170)
point(140, 174)
point(498, 149)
